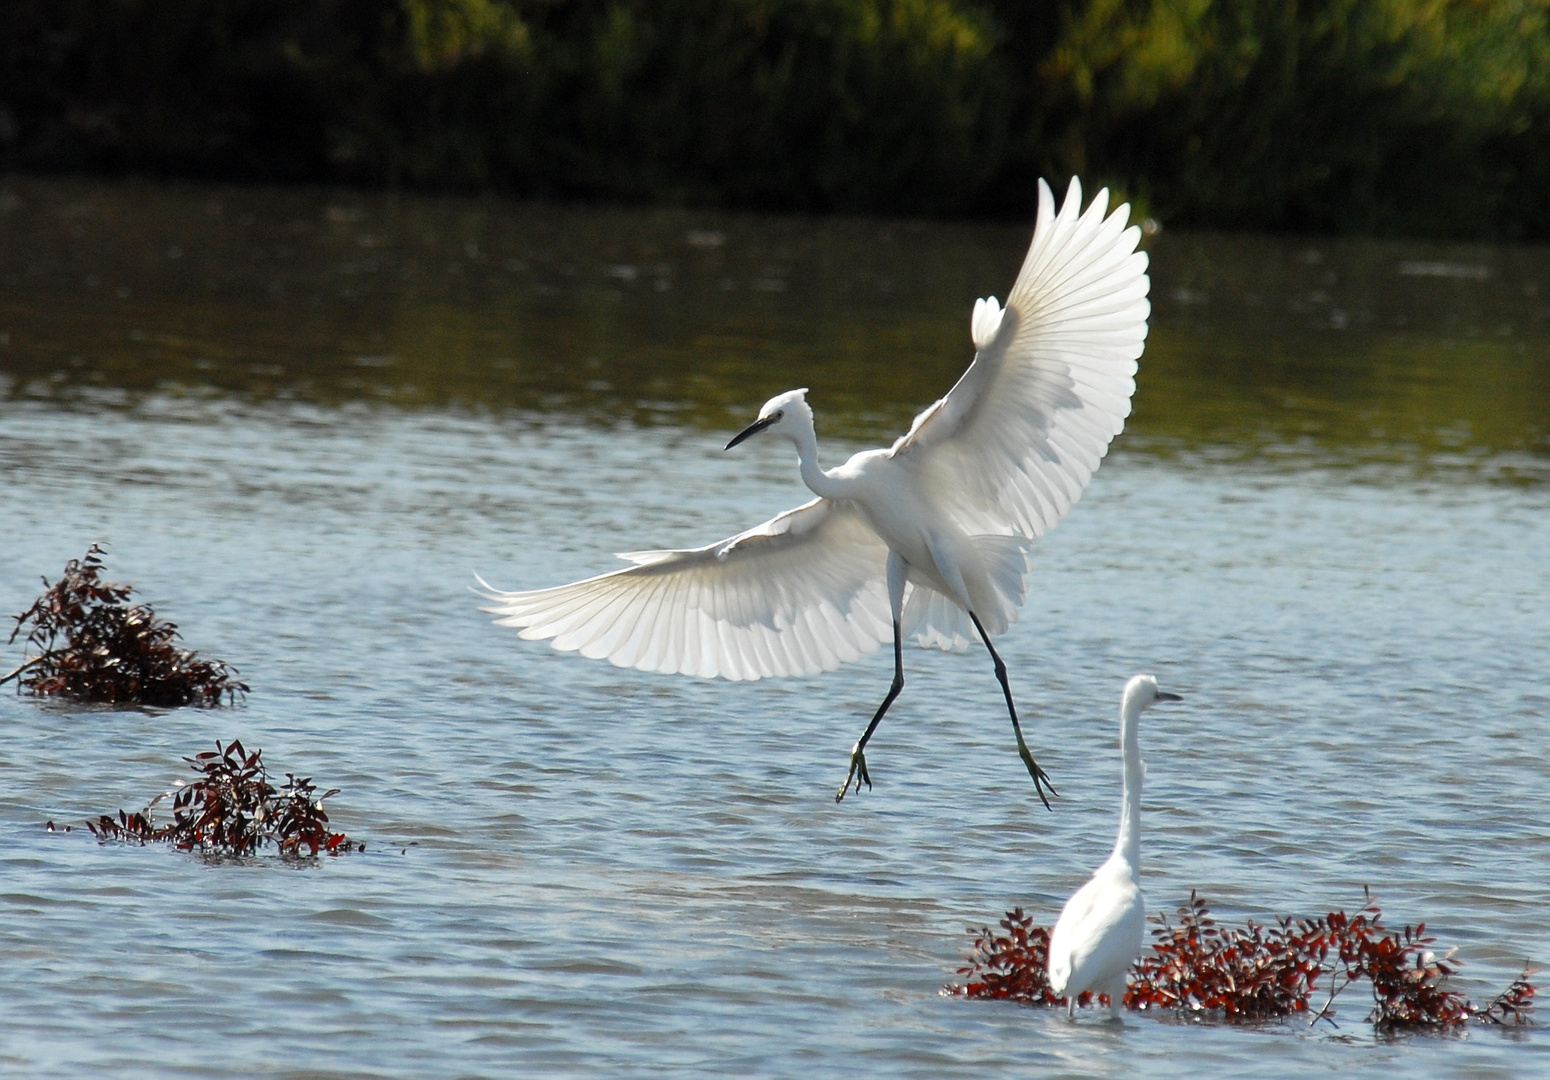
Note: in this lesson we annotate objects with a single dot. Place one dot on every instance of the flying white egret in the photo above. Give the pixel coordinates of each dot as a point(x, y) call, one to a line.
point(1103, 925)
point(922, 540)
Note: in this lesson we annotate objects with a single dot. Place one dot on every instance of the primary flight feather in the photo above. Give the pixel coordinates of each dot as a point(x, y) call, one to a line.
point(925, 540)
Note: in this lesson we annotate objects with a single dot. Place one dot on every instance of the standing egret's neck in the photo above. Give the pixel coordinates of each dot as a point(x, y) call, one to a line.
point(1128, 846)
point(815, 478)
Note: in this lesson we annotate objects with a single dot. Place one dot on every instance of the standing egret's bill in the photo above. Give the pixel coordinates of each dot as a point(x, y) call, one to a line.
point(928, 539)
point(1103, 925)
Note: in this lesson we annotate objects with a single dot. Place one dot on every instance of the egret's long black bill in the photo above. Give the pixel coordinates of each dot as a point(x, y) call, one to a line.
point(752, 429)
point(1163, 695)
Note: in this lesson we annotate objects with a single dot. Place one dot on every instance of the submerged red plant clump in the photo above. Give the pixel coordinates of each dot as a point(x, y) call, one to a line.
point(1251, 973)
point(1013, 966)
point(1258, 972)
point(93, 645)
point(233, 809)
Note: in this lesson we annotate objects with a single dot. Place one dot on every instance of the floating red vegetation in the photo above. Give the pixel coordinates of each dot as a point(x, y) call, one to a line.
point(1013, 966)
point(1253, 973)
point(1258, 972)
point(233, 809)
point(93, 645)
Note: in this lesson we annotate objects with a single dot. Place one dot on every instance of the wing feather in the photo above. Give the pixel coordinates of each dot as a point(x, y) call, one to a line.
point(659, 646)
point(679, 612)
point(581, 620)
point(697, 651)
point(1014, 443)
point(608, 635)
point(802, 593)
point(652, 632)
point(764, 656)
point(734, 659)
point(644, 608)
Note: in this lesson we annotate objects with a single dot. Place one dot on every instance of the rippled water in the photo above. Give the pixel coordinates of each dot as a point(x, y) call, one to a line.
point(1326, 527)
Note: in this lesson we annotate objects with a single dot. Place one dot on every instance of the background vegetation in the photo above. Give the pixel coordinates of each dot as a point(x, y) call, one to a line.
point(1419, 117)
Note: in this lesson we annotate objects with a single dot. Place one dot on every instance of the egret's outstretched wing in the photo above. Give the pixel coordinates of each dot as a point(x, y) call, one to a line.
point(1012, 445)
point(802, 593)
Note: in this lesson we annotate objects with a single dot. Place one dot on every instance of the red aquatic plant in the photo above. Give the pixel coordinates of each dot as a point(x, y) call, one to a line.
point(1258, 972)
point(1408, 979)
point(233, 809)
point(92, 644)
point(301, 822)
point(1514, 1004)
point(1013, 966)
point(1251, 973)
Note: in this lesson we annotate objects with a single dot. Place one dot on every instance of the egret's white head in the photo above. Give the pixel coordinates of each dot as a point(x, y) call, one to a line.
point(1141, 692)
point(787, 413)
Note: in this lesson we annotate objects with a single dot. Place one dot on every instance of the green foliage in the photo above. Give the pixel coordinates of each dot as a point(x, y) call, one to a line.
point(824, 104)
point(1372, 116)
point(443, 33)
point(1375, 116)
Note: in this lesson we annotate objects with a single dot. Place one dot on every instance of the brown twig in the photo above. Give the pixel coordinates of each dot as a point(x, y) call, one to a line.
point(1326, 1013)
point(24, 666)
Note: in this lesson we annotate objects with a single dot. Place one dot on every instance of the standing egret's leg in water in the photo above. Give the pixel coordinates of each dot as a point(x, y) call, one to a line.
point(1040, 777)
point(1117, 999)
point(898, 573)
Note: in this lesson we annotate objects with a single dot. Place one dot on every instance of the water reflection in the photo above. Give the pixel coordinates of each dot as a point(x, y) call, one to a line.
point(1351, 352)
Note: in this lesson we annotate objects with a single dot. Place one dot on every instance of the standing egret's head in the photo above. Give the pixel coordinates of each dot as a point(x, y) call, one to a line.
point(1141, 693)
point(787, 413)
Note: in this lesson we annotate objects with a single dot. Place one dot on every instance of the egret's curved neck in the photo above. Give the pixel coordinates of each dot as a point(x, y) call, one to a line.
point(818, 481)
point(1128, 846)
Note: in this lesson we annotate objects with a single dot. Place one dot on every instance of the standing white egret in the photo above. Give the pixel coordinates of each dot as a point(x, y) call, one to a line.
point(924, 539)
point(1103, 926)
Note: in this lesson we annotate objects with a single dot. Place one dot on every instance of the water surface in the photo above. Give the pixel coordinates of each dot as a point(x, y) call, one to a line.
point(301, 420)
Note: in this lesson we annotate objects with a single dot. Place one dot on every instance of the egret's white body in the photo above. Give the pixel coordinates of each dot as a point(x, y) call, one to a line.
point(927, 539)
point(1103, 926)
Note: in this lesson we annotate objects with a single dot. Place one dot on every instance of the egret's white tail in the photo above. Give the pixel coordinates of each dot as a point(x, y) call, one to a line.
point(937, 622)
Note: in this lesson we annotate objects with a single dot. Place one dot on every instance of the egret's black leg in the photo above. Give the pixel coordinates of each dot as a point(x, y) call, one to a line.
point(858, 771)
point(1040, 777)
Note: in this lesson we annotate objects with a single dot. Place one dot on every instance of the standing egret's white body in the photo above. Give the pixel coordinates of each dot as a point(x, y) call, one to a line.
point(1103, 925)
point(928, 539)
